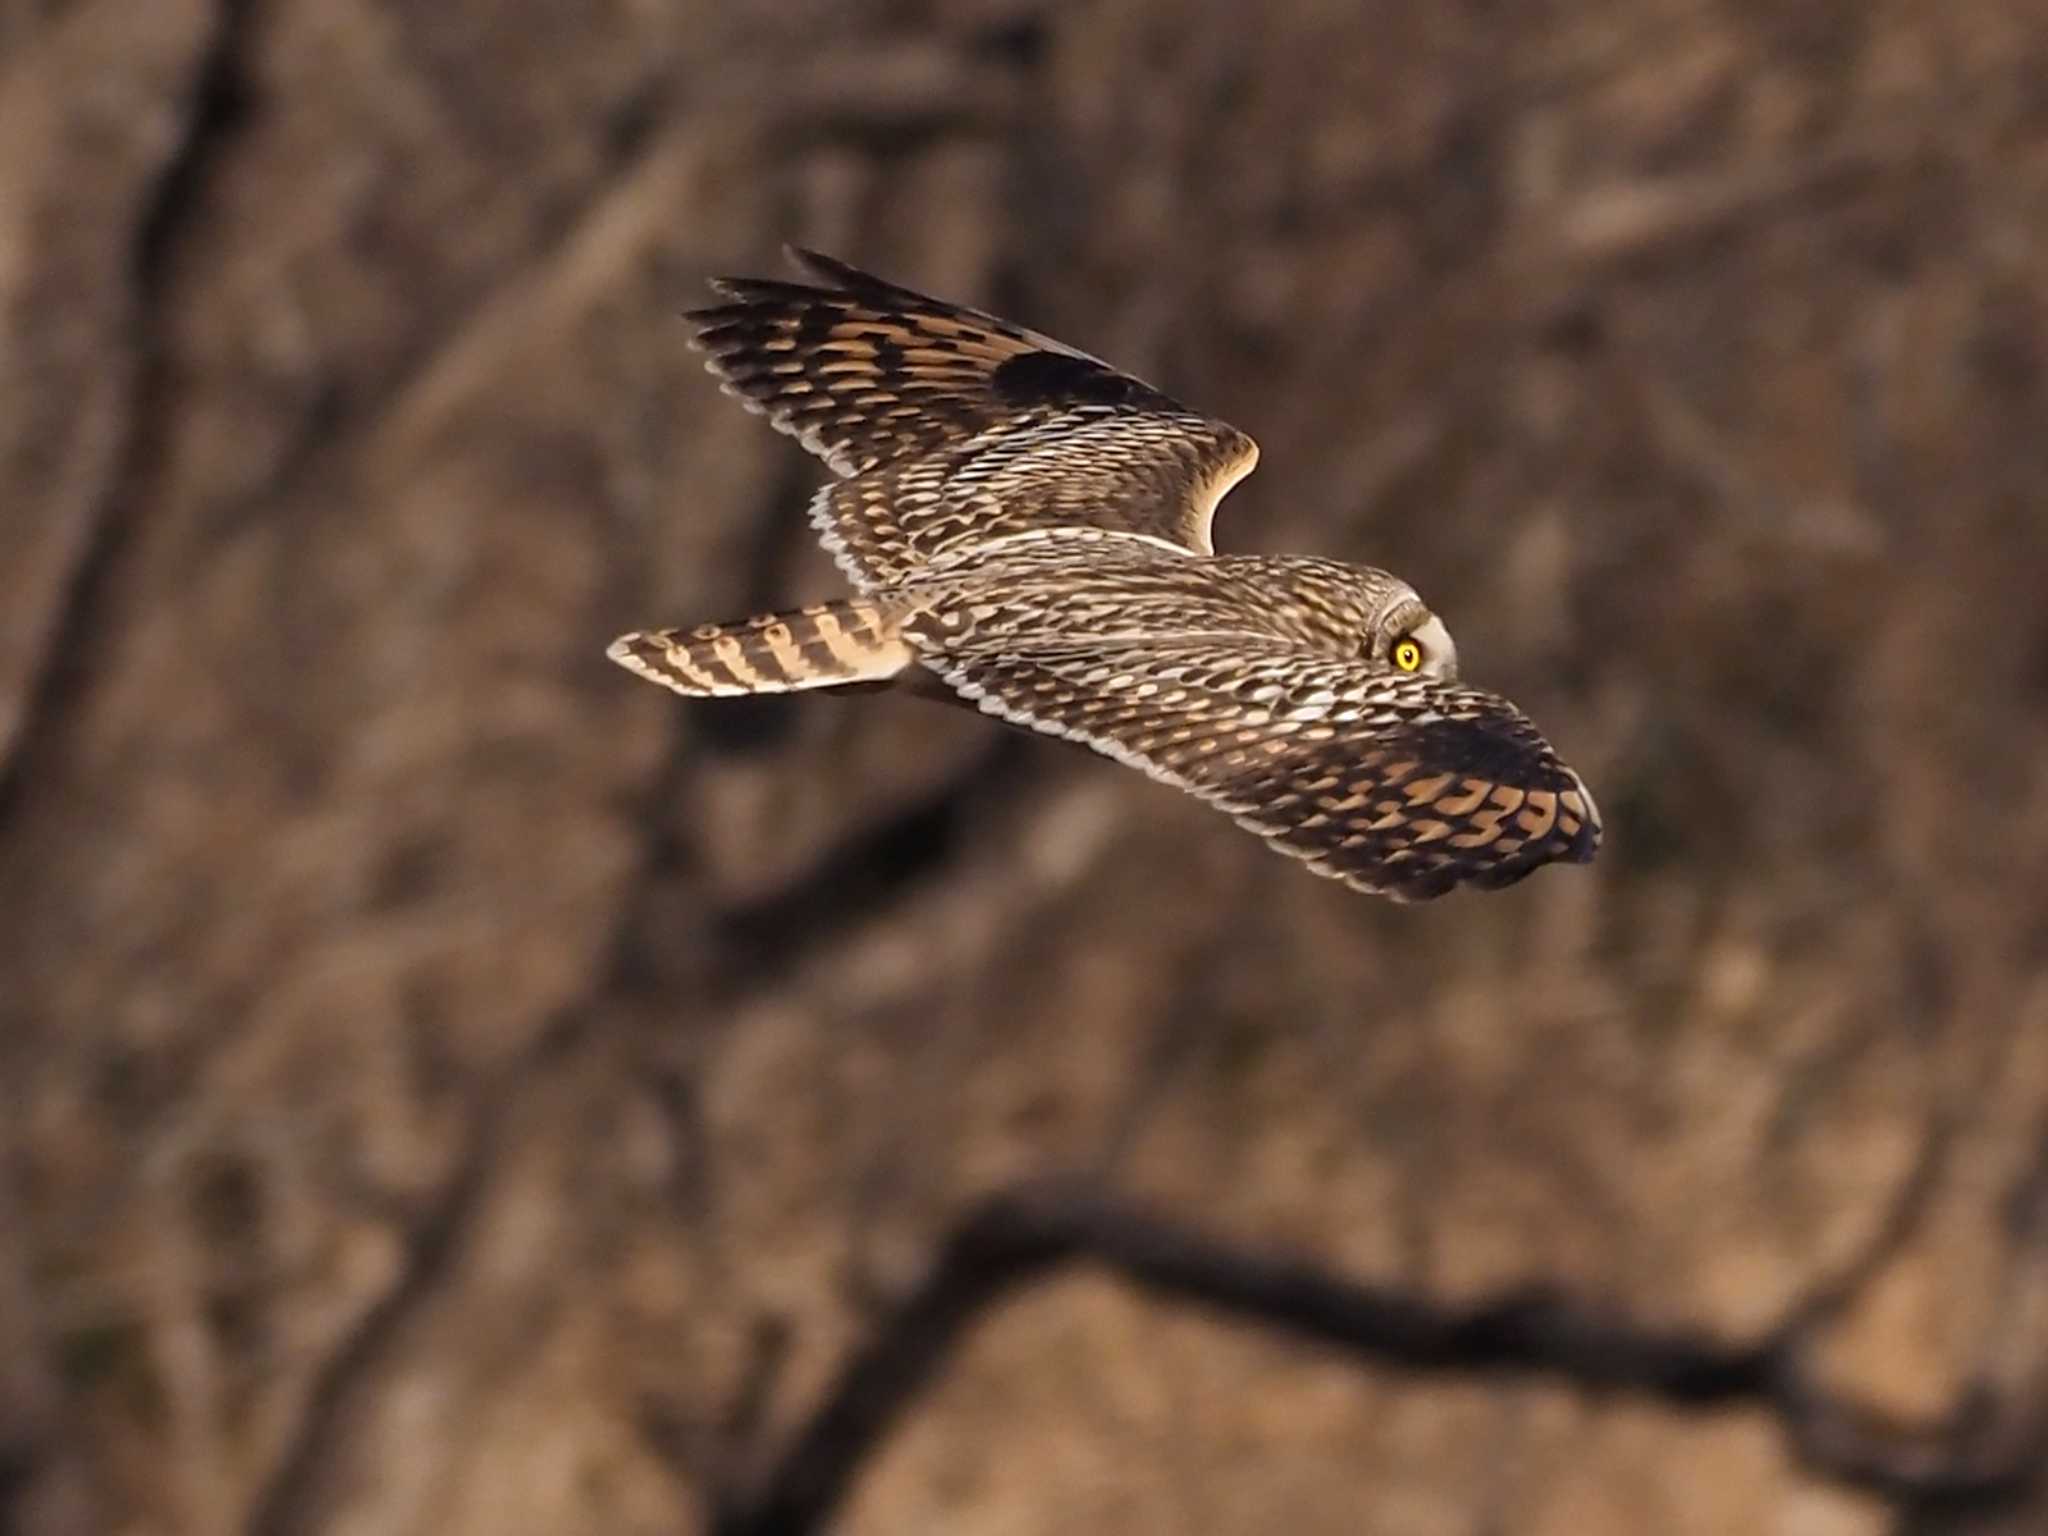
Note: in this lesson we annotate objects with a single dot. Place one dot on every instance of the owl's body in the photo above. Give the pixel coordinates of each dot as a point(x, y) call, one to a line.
point(1030, 528)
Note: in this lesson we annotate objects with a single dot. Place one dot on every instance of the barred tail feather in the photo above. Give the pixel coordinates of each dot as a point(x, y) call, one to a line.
point(822, 646)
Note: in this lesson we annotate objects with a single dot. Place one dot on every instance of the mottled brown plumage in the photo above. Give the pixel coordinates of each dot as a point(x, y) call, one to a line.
point(1031, 527)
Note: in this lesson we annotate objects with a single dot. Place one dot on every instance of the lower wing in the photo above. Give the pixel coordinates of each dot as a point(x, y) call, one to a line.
point(1390, 782)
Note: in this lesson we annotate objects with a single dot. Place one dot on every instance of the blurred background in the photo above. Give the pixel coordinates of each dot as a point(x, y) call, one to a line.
point(447, 1085)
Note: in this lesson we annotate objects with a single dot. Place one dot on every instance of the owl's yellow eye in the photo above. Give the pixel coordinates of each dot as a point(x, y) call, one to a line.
point(1407, 655)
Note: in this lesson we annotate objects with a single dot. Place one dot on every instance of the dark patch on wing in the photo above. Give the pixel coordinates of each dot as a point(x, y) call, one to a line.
point(1053, 378)
point(1504, 746)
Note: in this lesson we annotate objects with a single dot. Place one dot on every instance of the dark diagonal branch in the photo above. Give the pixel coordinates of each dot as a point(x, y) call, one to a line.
point(1023, 1234)
point(211, 113)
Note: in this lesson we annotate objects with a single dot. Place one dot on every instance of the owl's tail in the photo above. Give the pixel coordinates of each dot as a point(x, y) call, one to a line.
point(824, 646)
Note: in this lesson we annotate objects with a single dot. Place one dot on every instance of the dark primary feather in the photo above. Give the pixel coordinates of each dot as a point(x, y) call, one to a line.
point(953, 427)
point(864, 372)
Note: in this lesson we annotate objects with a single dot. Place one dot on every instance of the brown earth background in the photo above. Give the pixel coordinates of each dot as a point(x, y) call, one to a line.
point(452, 1087)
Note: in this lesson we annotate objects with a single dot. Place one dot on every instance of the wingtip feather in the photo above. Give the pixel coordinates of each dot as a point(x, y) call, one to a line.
point(816, 264)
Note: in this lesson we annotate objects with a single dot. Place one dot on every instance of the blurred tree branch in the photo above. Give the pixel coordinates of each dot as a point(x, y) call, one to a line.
point(1985, 1457)
point(208, 115)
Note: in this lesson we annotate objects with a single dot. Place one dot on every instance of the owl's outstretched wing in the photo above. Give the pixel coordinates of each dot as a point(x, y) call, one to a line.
point(954, 428)
point(1391, 782)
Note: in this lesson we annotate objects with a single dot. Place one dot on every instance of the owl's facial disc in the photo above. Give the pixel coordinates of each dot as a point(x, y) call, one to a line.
point(1410, 638)
point(1439, 650)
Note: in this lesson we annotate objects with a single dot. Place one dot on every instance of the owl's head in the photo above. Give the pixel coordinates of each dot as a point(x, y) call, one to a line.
point(1404, 634)
point(1348, 611)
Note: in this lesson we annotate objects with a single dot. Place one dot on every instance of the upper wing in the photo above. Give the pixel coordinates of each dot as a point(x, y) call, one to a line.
point(1388, 781)
point(953, 427)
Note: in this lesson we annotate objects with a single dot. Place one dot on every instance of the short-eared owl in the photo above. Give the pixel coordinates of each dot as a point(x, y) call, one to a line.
point(1029, 527)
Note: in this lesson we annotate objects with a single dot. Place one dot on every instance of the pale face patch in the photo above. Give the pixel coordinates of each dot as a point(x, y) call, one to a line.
point(1439, 650)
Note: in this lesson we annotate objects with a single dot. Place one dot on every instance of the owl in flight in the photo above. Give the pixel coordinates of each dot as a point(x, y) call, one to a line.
point(1027, 528)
